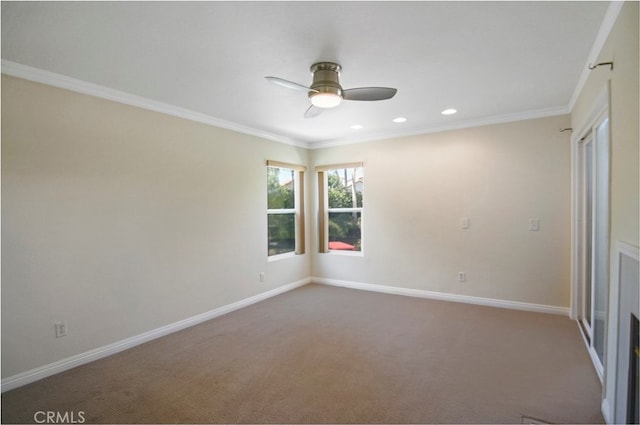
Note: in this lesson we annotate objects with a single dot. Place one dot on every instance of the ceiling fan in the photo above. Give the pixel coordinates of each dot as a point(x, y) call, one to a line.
point(325, 90)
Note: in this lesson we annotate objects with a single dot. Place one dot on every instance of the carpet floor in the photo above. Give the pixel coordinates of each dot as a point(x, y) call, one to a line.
point(321, 354)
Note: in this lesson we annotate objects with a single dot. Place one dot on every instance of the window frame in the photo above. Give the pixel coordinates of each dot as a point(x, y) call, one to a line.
point(322, 173)
point(297, 211)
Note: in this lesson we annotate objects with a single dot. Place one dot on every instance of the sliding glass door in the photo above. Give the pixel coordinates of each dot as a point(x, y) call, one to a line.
point(593, 238)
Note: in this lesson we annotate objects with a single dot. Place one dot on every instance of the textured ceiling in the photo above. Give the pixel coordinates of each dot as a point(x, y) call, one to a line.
point(489, 60)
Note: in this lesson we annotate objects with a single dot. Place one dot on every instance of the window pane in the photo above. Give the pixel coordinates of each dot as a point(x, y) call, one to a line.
point(600, 251)
point(345, 231)
point(280, 188)
point(282, 233)
point(345, 187)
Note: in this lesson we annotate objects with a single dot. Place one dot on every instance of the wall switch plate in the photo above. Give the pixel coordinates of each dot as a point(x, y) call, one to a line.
point(465, 222)
point(462, 276)
point(261, 276)
point(61, 329)
point(534, 224)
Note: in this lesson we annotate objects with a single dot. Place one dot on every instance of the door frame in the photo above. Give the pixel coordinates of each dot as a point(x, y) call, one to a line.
point(587, 129)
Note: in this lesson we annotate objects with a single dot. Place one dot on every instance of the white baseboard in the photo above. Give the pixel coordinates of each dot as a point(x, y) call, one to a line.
point(116, 347)
point(490, 302)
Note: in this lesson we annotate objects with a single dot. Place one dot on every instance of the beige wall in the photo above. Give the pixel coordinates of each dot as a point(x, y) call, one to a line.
point(121, 220)
point(622, 48)
point(418, 188)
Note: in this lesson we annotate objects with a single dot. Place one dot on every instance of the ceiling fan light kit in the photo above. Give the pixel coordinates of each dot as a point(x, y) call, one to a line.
point(325, 100)
point(326, 92)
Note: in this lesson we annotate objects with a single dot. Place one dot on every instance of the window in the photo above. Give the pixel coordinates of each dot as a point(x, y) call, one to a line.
point(285, 208)
point(340, 190)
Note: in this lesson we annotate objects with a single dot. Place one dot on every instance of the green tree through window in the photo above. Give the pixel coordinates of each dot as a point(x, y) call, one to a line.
point(285, 208)
point(345, 194)
point(281, 212)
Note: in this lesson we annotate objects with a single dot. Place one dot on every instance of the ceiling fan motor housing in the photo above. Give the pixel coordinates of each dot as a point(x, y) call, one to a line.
point(325, 79)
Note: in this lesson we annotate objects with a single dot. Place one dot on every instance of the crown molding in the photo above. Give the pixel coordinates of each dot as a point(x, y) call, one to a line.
point(61, 81)
point(459, 125)
point(79, 86)
point(608, 22)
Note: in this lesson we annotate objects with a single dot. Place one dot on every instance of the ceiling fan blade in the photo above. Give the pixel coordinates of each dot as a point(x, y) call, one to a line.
point(313, 111)
point(288, 84)
point(369, 93)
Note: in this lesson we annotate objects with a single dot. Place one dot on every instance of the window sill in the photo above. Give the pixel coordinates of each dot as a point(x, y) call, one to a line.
point(279, 257)
point(346, 253)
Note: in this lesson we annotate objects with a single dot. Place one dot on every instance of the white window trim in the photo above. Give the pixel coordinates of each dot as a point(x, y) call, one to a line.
point(297, 211)
point(347, 253)
point(282, 211)
point(324, 210)
point(283, 256)
point(344, 210)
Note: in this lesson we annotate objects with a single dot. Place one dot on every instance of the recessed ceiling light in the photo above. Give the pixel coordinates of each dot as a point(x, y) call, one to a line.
point(449, 111)
point(399, 119)
point(356, 126)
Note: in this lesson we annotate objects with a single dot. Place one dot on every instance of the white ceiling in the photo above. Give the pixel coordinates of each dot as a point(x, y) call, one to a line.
point(489, 60)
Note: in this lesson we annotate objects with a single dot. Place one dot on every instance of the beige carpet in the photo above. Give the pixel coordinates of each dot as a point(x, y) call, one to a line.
point(322, 354)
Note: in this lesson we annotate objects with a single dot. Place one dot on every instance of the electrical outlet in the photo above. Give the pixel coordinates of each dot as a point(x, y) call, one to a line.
point(462, 276)
point(61, 329)
point(261, 276)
